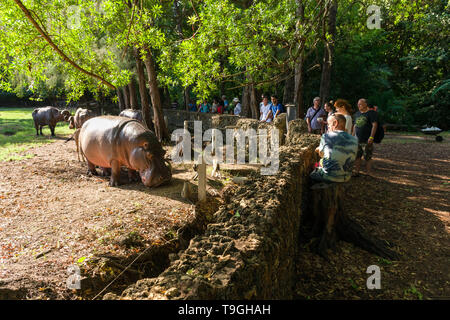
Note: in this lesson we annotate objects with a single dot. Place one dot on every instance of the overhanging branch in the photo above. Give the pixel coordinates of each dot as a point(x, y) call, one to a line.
point(55, 47)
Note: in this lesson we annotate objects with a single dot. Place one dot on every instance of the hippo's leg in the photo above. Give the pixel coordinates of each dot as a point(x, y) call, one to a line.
point(115, 173)
point(133, 176)
point(106, 172)
point(91, 169)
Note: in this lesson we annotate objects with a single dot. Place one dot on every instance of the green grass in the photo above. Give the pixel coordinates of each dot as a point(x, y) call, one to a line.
point(17, 133)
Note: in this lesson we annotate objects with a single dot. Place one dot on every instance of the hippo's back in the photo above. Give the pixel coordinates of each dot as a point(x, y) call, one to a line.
point(102, 138)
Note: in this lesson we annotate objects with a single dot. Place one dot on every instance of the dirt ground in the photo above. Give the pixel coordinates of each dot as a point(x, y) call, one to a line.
point(405, 201)
point(52, 216)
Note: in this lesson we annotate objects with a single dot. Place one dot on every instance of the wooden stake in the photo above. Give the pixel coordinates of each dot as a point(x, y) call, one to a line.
point(201, 170)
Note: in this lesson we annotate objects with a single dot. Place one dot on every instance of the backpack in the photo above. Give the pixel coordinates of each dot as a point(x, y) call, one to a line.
point(379, 134)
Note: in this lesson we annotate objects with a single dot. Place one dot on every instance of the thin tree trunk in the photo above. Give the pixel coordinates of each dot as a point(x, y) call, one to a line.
point(120, 99)
point(143, 91)
point(289, 88)
point(126, 97)
point(254, 105)
point(328, 53)
point(133, 97)
point(187, 97)
point(246, 111)
point(298, 70)
point(160, 126)
point(298, 90)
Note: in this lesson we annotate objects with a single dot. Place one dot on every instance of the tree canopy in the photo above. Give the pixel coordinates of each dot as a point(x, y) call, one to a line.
point(66, 48)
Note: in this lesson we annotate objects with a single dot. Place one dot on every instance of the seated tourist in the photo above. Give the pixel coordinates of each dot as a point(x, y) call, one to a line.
point(276, 107)
point(237, 107)
point(337, 150)
point(265, 110)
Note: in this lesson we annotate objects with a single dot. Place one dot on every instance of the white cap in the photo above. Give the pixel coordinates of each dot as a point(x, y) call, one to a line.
point(236, 100)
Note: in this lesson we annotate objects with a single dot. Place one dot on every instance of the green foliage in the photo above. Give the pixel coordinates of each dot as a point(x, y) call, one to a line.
point(219, 46)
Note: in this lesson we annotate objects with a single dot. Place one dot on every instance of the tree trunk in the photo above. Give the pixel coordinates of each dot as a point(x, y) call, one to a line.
point(246, 111)
point(187, 97)
point(254, 102)
point(331, 223)
point(120, 99)
point(126, 97)
point(165, 98)
point(298, 88)
point(143, 91)
point(133, 97)
point(289, 88)
point(298, 70)
point(160, 126)
point(328, 53)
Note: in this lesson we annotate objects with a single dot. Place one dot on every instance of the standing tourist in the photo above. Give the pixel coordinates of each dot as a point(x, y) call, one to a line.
point(266, 111)
point(365, 126)
point(343, 107)
point(313, 115)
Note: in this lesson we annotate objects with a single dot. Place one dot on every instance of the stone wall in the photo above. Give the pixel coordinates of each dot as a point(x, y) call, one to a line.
point(248, 250)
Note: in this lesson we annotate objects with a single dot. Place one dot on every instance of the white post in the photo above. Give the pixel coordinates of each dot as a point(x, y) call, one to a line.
point(201, 170)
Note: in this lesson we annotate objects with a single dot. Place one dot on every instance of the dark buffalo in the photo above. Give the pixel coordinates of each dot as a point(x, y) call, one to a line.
point(49, 116)
point(112, 142)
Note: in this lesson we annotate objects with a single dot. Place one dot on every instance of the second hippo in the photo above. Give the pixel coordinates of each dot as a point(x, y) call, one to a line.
point(113, 141)
point(132, 114)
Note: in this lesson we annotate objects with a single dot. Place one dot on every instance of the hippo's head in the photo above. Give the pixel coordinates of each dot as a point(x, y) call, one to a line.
point(151, 166)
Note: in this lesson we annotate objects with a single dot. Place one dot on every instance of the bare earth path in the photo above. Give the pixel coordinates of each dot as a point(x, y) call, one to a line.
point(52, 215)
point(406, 202)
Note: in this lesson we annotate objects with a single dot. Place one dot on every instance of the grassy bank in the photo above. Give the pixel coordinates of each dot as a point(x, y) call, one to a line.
point(17, 133)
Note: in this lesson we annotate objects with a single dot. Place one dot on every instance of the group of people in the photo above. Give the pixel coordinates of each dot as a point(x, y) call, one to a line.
point(269, 110)
point(220, 106)
point(345, 139)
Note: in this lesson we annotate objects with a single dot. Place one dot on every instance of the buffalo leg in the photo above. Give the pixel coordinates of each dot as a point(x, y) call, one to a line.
point(115, 173)
point(52, 129)
point(37, 128)
point(40, 129)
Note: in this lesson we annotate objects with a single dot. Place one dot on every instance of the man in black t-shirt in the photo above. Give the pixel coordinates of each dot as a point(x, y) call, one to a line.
point(364, 128)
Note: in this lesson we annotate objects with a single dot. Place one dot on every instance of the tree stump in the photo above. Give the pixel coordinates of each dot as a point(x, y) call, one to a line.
point(326, 208)
point(331, 223)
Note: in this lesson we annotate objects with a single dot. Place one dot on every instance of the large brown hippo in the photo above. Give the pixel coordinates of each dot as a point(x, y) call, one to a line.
point(132, 114)
point(48, 116)
point(80, 117)
point(112, 142)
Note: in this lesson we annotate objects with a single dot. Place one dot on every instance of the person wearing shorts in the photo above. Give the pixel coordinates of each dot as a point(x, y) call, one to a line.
point(364, 128)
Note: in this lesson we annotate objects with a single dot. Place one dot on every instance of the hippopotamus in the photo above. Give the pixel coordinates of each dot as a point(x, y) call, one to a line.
point(80, 117)
point(114, 141)
point(132, 114)
point(49, 116)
